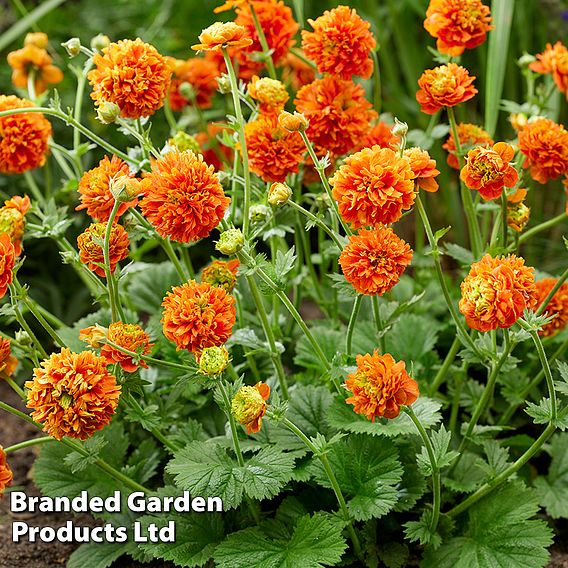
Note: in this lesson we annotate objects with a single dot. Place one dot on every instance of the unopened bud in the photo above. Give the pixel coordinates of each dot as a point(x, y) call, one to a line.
point(230, 241)
point(279, 194)
point(72, 46)
point(108, 112)
point(23, 338)
point(296, 122)
point(213, 361)
point(224, 84)
point(518, 120)
point(187, 91)
point(125, 188)
point(525, 60)
point(184, 141)
point(259, 213)
point(100, 41)
point(39, 39)
point(323, 201)
point(399, 128)
point(94, 335)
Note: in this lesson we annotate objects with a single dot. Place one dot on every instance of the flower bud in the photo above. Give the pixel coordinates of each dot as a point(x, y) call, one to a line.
point(125, 188)
point(224, 84)
point(108, 112)
point(399, 128)
point(296, 122)
point(230, 241)
point(94, 335)
point(184, 141)
point(72, 46)
point(323, 201)
point(525, 60)
point(100, 41)
point(23, 338)
point(259, 213)
point(518, 120)
point(249, 406)
point(279, 194)
point(187, 91)
point(39, 39)
point(213, 361)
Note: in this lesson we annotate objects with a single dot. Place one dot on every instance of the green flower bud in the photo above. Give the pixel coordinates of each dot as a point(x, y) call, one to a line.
point(100, 41)
point(183, 141)
point(230, 242)
point(279, 194)
point(72, 46)
point(259, 213)
point(213, 361)
point(108, 112)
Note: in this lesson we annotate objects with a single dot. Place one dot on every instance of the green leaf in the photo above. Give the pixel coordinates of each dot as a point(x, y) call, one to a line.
point(316, 542)
point(344, 288)
point(97, 554)
point(419, 531)
point(148, 284)
point(440, 443)
point(147, 416)
point(284, 263)
point(462, 255)
point(78, 462)
point(467, 475)
point(499, 532)
point(552, 490)
point(330, 340)
point(562, 386)
point(542, 414)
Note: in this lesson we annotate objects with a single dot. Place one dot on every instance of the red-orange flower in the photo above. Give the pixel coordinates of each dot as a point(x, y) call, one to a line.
point(296, 72)
point(340, 43)
point(131, 74)
point(339, 114)
point(211, 149)
point(249, 406)
point(457, 24)
point(373, 187)
point(199, 72)
point(90, 243)
point(469, 135)
point(183, 197)
point(273, 151)
point(557, 306)
point(5, 472)
point(496, 292)
point(545, 145)
point(24, 139)
point(380, 385)
point(13, 221)
point(8, 362)
point(198, 315)
point(95, 189)
point(73, 394)
point(554, 60)
point(444, 86)
point(381, 135)
point(129, 336)
point(374, 260)
point(270, 94)
point(488, 170)
point(222, 274)
point(423, 168)
point(34, 58)
point(218, 35)
point(7, 261)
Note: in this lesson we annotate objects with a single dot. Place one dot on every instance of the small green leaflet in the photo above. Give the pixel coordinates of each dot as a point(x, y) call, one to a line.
point(552, 490)
point(440, 443)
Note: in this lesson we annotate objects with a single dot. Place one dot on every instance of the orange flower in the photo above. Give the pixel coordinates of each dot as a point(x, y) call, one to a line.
point(73, 394)
point(545, 145)
point(131, 74)
point(518, 213)
point(469, 135)
point(273, 152)
point(7, 261)
point(374, 260)
point(90, 243)
point(373, 187)
point(211, 148)
point(496, 292)
point(183, 197)
point(94, 335)
point(457, 24)
point(218, 35)
point(340, 43)
point(201, 74)
point(5, 472)
point(12, 220)
point(270, 93)
point(94, 189)
point(295, 72)
point(424, 168)
point(249, 406)
point(339, 115)
point(558, 305)
point(381, 135)
point(222, 274)
point(33, 58)
point(129, 336)
point(380, 386)
point(296, 122)
point(24, 140)
point(489, 170)
point(198, 316)
point(444, 86)
point(229, 5)
point(8, 362)
point(554, 60)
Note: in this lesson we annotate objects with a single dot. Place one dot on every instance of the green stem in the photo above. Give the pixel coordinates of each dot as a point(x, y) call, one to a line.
point(24, 325)
point(28, 443)
point(146, 357)
point(317, 221)
point(352, 321)
point(114, 300)
point(263, 43)
point(81, 80)
point(15, 387)
point(36, 192)
point(378, 323)
point(443, 371)
point(504, 225)
point(542, 227)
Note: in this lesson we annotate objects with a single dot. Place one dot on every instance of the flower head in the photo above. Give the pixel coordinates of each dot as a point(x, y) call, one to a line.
point(129, 336)
point(296, 122)
point(183, 197)
point(6, 475)
point(218, 35)
point(249, 406)
point(554, 60)
point(338, 112)
point(496, 292)
point(469, 136)
point(558, 305)
point(488, 170)
point(423, 168)
point(222, 274)
point(12, 220)
point(131, 74)
point(545, 145)
point(196, 316)
point(73, 394)
point(91, 243)
point(518, 213)
point(380, 385)
point(444, 86)
point(279, 194)
point(230, 241)
point(270, 94)
point(7, 261)
point(340, 43)
point(373, 186)
point(457, 24)
point(94, 335)
point(374, 260)
point(24, 138)
point(201, 74)
point(381, 135)
point(8, 362)
point(213, 361)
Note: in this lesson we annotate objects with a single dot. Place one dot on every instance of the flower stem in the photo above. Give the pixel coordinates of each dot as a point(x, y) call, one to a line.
point(28, 443)
point(542, 227)
point(24, 325)
point(352, 321)
point(378, 323)
point(263, 43)
point(146, 357)
point(112, 285)
point(317, 221)
point(441, 374)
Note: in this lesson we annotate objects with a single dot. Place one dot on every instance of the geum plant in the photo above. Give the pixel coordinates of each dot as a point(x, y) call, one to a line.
point(404, 424)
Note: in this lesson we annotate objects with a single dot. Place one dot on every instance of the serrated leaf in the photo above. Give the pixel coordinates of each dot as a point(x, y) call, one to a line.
point(284, 262)
point(552, 490)
point(330, 340)
point(344, 288)
point(542, 413)
point(467, 475)
point(419, 531)
point(412, 337)
point(562, 385)
point(462, 255)
point(148, 283)
point(497, 458)
point(97, 554)
point(440, 441)
point(93, 446)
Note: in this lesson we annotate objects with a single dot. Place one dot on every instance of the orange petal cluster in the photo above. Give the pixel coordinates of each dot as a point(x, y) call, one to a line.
point(73, 394)
point(374, 260)
point(381, 135)
point(218, 35)
point(373, 187)
point(558, 305)
point(196, 316)
point(488, 170)
point(24, 138)
point(211, 148)
point(199, 72)
point(7, 261)
point(554, 61)
point(444, 86)
point(340, 43)
point(222, 274)
point(339, 114)
point(380, 385)
point(183, 198)
point(131, 74)
point(469, 135)
point(545, 145)
point(13, 221)
point(8, 362)
point(457, 24)
point(295, 72)
point(423, 168)
point(90, 243)
point(6, 475)
point(129, 336)
point(518, 213)
point(249, 406)
point(496, 292)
